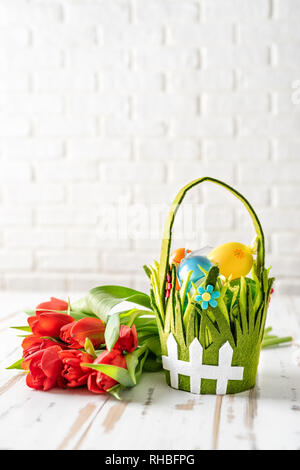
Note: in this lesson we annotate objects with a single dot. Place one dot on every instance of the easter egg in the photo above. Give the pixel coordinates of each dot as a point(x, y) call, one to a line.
point(192, 263)
point(177, 255)
point(234, 259)
point(175, 258)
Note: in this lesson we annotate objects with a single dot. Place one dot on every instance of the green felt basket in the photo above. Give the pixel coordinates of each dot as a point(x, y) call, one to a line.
point(227, 337)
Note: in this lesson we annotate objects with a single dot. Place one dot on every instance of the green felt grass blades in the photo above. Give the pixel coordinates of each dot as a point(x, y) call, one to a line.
point(237, 318)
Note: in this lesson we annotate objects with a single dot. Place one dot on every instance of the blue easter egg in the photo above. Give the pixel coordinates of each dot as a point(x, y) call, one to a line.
point(192, 263)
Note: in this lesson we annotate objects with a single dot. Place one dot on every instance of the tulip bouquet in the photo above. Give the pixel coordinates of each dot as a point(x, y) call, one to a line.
point(82, 344)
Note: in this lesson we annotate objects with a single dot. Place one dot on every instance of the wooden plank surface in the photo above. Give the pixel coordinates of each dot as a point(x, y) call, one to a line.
point(152, 415)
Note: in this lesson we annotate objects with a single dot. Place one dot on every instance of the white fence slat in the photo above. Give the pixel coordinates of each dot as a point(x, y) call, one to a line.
point(196, 370)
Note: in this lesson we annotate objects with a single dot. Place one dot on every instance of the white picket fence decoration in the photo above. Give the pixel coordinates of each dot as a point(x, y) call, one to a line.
point(198, 371)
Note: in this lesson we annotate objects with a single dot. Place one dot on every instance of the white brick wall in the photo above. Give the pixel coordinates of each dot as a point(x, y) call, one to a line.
point(107, 107)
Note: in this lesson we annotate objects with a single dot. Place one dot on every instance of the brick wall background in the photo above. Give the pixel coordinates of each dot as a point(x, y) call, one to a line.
point(107, 107)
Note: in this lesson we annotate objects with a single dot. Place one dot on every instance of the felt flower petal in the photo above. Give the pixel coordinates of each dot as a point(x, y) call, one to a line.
point(204, 305)
point(209, 288)
point(201, 290)
point(213, 303)
point(198, 298)
point(215, 295)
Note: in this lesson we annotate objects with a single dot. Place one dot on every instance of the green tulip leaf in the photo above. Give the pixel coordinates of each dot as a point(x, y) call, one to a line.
point(119, 374)
point(153, 343)
point(78, 314)
point(115, 390)
point(132, 360)
point(112, 330)
point(100, 300)
point(16, 365)
point(30, 313)
point(22, 328)
point(89, 348)
point(152, 364)
point(81, 305)
point(131, 317)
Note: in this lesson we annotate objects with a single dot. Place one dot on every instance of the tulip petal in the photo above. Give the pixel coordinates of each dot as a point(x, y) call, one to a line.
point(88, 327)
point(49, 323)
point(51, 363)
point(52, 304)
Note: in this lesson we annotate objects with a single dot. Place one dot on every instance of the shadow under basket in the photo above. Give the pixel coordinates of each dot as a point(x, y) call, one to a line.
point(214, 350)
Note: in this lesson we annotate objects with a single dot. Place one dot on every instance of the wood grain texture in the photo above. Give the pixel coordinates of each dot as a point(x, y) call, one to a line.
point(152, 415)
point(217, 418)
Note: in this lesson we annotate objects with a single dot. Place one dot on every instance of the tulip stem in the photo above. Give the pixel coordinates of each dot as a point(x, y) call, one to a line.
point(275, 341)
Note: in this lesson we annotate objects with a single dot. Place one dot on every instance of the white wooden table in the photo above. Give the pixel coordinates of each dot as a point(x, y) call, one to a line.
point(152, 415)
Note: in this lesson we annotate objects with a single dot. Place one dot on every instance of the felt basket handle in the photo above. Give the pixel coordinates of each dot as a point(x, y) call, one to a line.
point(167, 235)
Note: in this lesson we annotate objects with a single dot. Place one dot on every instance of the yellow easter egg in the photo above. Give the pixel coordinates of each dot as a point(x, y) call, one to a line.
point(234, 259)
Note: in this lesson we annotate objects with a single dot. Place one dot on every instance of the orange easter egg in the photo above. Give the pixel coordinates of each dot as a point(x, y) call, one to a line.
point(177, 255)
point(175, 258)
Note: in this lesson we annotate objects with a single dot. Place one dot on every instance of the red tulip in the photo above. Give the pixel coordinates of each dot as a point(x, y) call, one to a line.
point(31, 344)
point(65, 335)
point(47, 322)
point(52, 304)
point(88, 327)
point(73, 374)
point(45, 368)
point(99, 382)
point(128, 339)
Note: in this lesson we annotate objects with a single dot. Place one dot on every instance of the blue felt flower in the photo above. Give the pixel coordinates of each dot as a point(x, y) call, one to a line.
point(207, 296)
